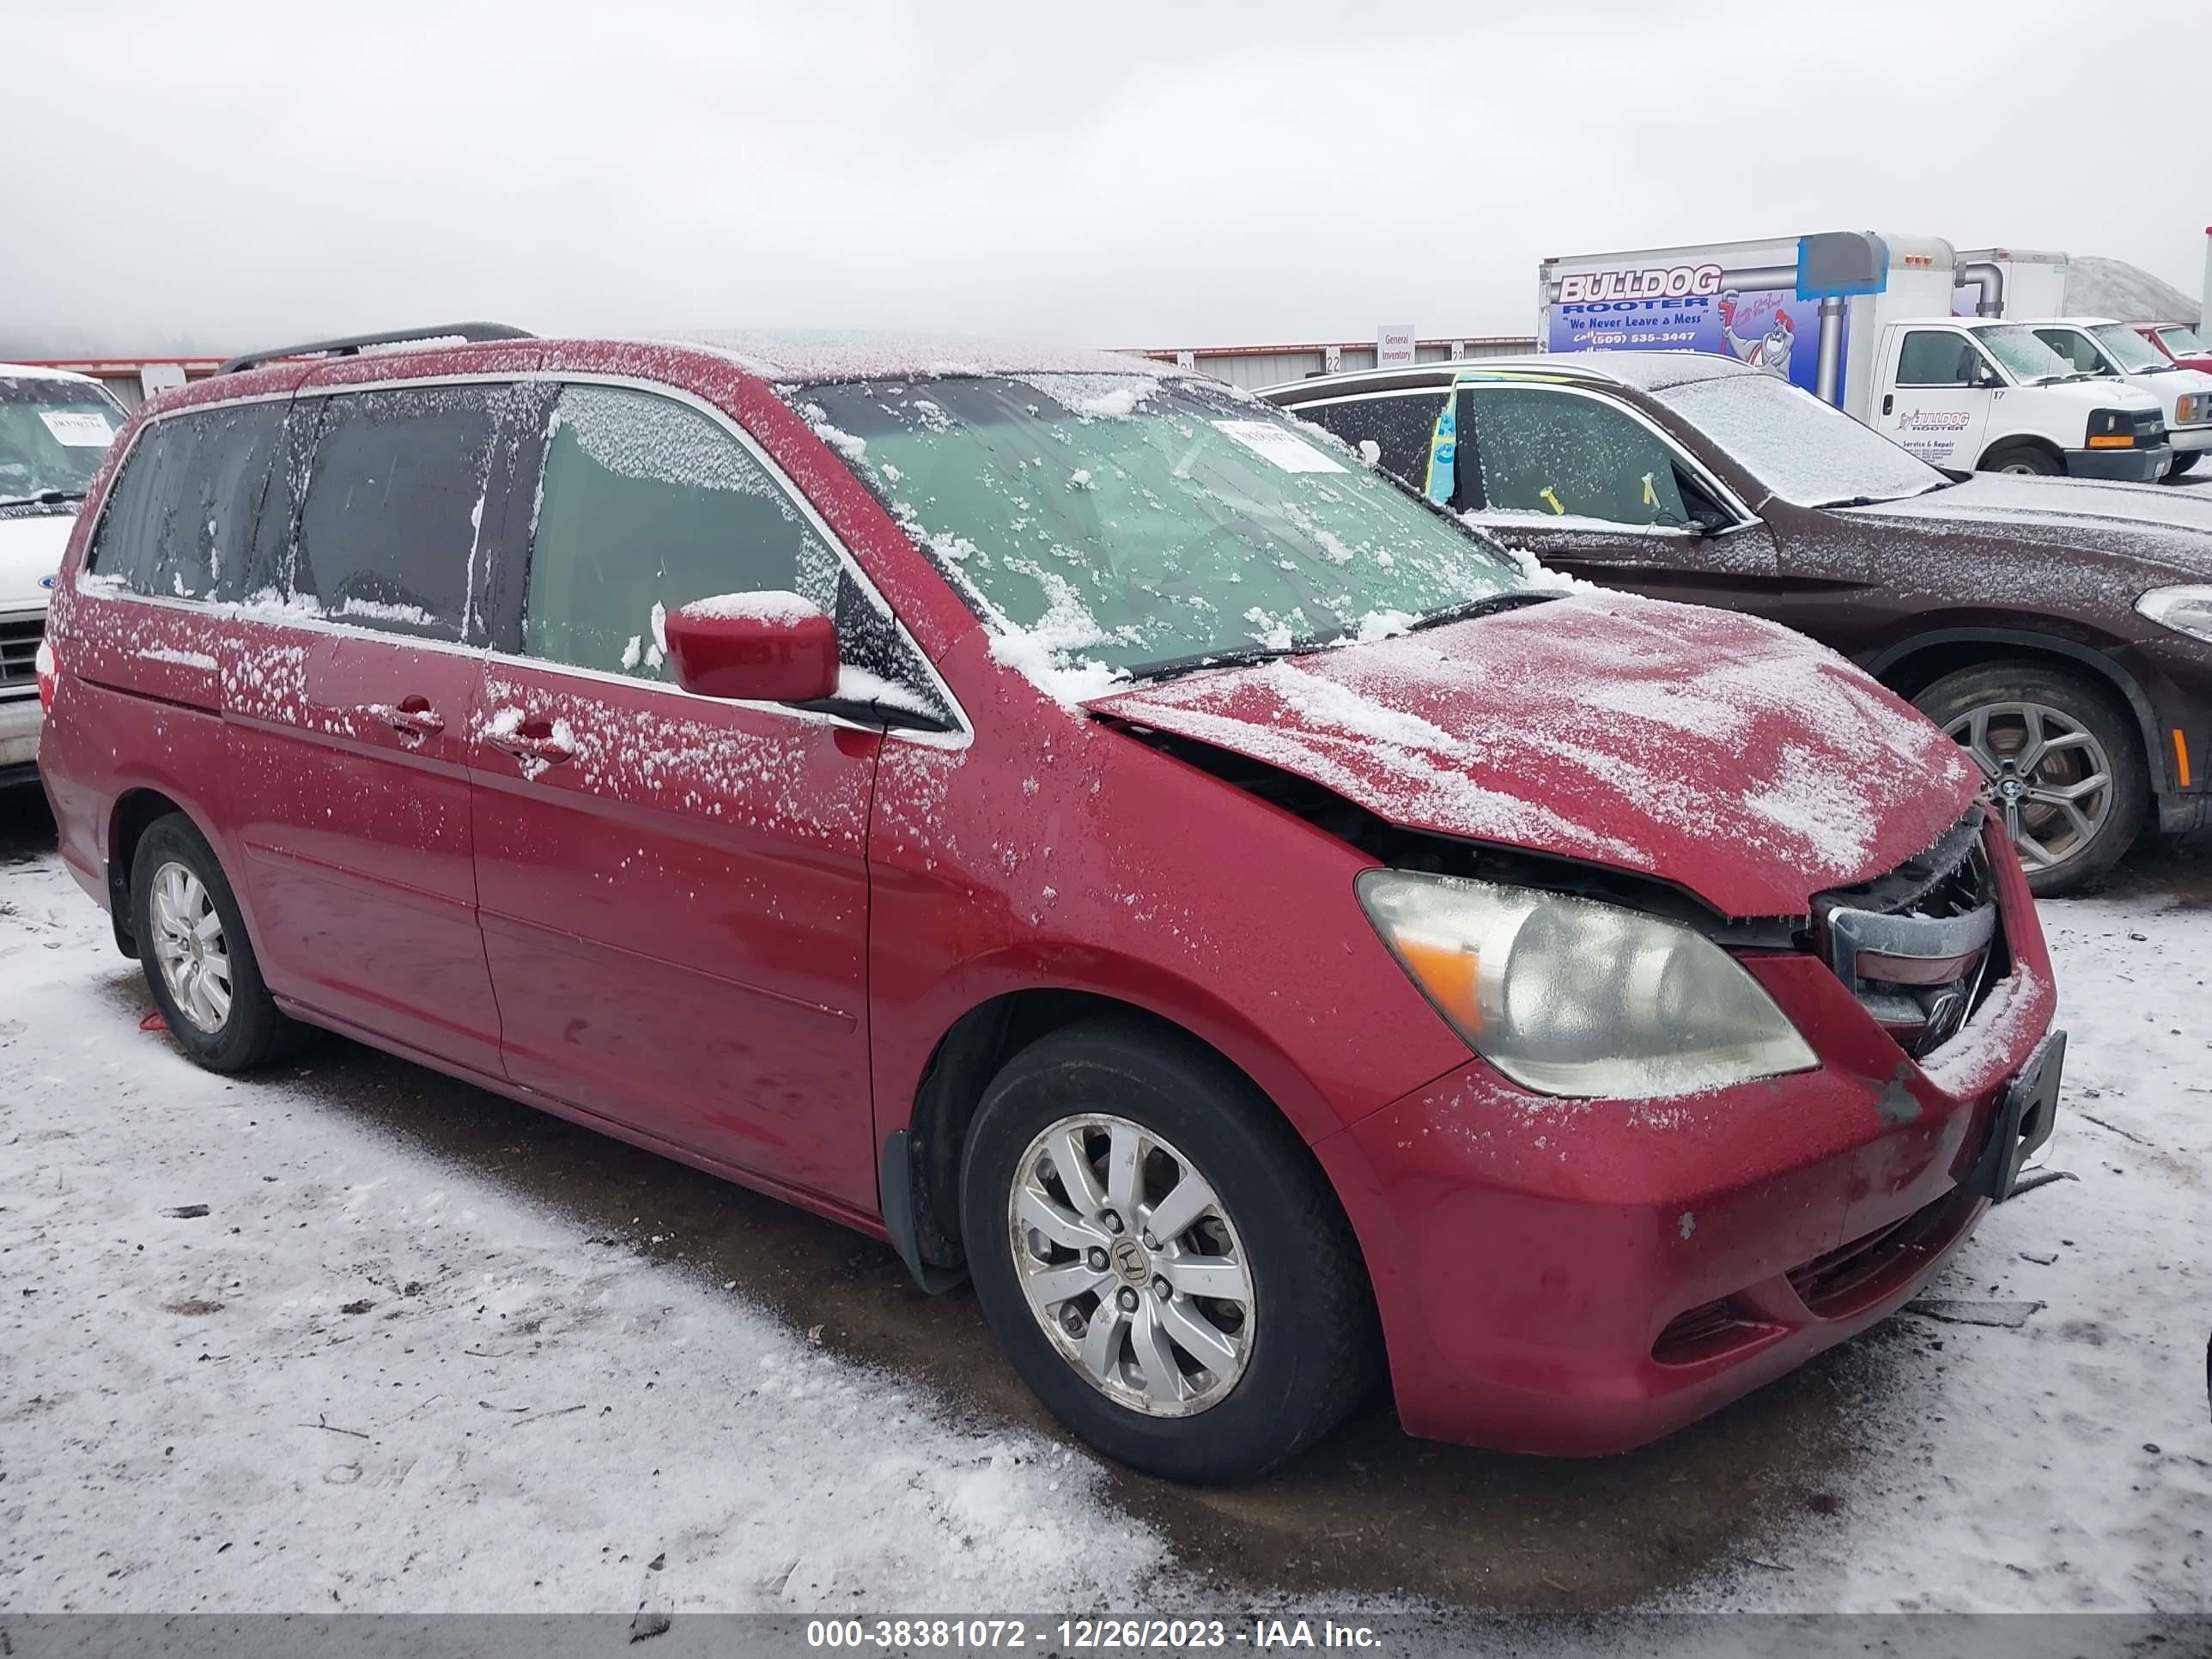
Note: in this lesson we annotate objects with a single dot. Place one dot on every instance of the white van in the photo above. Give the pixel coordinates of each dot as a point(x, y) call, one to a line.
point(2107, 350)
point(1976, 394)
point(55, 427)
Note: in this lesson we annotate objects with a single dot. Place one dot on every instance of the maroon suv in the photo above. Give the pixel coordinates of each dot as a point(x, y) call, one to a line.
point(2060, 629)
point(1074, 822)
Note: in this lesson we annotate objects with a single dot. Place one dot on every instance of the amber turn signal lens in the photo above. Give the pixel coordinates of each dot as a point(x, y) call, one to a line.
point(1448, 973)
point(2114, 441)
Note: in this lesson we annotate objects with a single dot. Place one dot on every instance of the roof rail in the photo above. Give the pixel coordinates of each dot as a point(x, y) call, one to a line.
point(352, 345)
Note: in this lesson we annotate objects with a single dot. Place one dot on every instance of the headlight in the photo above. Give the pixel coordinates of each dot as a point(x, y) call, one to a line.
point(2184, 408)
point(2184, 609)
point(2111, 429)
point(1568, 996)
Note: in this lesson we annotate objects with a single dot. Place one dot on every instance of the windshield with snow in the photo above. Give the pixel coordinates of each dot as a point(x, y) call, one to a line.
point(53, 436)
point(2183, 342)
point(1139, 523)
point(2134, 353)
point(1805, 450)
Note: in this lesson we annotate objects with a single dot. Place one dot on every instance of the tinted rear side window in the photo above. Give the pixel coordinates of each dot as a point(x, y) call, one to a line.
point(389, 529)
point(1400, 426)
point(180, 515)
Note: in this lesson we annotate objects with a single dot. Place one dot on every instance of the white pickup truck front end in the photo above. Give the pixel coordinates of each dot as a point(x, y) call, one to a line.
point(30, 552)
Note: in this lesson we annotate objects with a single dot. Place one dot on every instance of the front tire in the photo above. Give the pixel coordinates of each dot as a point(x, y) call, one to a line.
point(2183, 461)
point(1164, 1264)
point(2023, 459)
point(2061, 761)
point(199, 963)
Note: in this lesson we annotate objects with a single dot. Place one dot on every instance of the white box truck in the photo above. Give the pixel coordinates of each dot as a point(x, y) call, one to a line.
point(1869, 322)
point(2004, 281)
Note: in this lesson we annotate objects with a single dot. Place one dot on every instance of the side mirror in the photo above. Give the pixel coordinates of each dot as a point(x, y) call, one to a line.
point(768, 646)
point(1981, 377)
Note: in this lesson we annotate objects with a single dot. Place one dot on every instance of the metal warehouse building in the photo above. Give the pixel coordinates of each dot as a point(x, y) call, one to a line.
point(1272, 365)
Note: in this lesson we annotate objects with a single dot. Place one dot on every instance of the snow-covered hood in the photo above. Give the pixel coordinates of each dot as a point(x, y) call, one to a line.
point(2169, 386)
point(1721, 752)
point(2152, 533)
point(30, 553)
point(2090, 394)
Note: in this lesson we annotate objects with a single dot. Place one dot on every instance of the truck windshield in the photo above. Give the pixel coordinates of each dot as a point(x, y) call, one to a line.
point(2134, 353)
point(53, 435)
point(2023, 355)
point(1805, 450)
point(2182, 342)
point(1136, 523)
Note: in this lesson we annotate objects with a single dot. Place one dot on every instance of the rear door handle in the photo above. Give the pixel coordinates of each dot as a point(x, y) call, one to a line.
point(537, 742)
point(412, 718)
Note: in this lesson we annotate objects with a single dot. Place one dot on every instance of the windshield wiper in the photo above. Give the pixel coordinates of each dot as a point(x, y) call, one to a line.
point(1513, 599)
point(1233, 656)
point(1239, 656)
point(42, 498)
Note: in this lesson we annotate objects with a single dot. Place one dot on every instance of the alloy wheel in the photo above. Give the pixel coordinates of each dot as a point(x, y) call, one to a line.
point(2045, 772)
point(1131, 1265)
point(189, 946)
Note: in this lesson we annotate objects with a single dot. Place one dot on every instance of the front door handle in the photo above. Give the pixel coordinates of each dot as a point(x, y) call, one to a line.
point(535, 741)
point(1888, 402)
point(412, 718)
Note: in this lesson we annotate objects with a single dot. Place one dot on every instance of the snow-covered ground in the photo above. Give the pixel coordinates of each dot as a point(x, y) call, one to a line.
point(2043, 1437)
point(258, 1352)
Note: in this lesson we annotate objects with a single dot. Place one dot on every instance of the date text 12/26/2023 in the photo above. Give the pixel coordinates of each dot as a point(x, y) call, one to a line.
point(1095, 1635)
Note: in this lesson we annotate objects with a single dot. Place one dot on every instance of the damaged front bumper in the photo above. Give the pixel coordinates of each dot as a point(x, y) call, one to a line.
point(1578, 1277)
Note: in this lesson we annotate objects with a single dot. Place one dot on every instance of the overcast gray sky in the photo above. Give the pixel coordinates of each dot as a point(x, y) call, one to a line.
point(222, 174)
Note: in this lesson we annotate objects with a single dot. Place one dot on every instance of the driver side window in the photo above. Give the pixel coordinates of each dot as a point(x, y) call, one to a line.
point(2079, 352)
point(1562, 454)
point(645, 505)
point(1934, 356)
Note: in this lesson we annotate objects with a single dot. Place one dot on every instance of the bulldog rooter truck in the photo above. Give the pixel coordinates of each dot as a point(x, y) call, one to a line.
point(1865, 322)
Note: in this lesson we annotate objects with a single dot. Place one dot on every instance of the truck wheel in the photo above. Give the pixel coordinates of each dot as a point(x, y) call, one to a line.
point(2023, 458)
point(2183, 461)
point(1163, 1262)
point(199, 963)
point(2062, 763)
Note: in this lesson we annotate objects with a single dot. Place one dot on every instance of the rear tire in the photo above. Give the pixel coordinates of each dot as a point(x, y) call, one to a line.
point(2067, 830)
point(2025, 459)
point(1270, 1268)
point(199, 963)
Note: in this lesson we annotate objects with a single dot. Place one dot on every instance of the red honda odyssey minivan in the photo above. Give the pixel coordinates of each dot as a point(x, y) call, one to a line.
point(1062, 816)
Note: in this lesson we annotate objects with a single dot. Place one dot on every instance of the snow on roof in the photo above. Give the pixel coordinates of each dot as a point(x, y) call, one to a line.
point(804, 355)
point(33, 372)
point(1648, 371)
